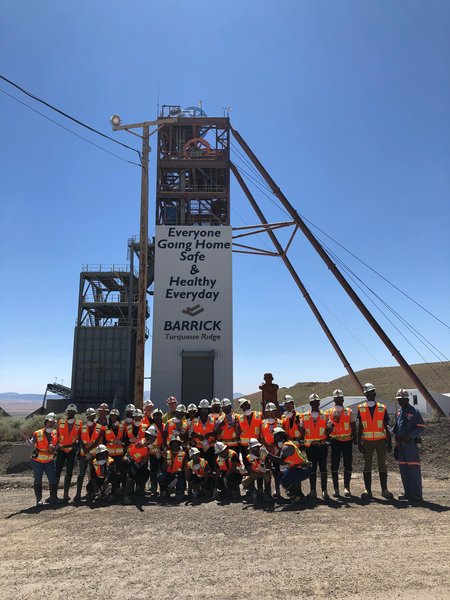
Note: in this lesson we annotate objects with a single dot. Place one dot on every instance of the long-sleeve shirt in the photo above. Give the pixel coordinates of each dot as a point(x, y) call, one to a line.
point(409, 423)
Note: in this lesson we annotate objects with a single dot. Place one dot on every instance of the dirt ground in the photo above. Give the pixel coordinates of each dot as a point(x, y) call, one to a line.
point(343, 549)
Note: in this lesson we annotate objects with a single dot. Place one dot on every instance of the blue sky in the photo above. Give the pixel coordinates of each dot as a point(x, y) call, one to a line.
point(345, 103)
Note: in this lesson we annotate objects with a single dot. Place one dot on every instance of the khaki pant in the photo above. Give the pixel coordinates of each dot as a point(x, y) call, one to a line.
point(255, 476)
point(378, 446)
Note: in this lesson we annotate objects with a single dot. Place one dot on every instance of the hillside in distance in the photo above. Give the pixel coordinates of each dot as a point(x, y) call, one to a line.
point(387, 380)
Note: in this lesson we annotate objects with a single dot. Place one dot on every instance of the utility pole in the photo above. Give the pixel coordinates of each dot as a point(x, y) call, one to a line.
point(116, 122)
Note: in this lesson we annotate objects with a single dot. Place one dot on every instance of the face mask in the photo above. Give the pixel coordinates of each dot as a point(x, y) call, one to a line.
point(196, 467)
point(314, 414)
point(371, 403)
point(49, 429)
point(288, 414)
point(129, 419)
point(280, 444)
point(72, 420)
point(248, 412)
point(270, 420)
point(176, 420)
point(101, 462)
point(338, 408)
point(137, 422)
point(90, 421)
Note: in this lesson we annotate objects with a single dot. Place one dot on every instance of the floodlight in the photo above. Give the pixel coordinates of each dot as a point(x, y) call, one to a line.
point(115, 121)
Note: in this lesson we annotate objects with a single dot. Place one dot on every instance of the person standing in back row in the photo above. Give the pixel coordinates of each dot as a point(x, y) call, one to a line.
point(343, 436)
point(408, 428)
point(315, 428)
point(68, 431)
point(374, 436)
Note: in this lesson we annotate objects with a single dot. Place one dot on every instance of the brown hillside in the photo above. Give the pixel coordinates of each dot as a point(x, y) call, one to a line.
point(436, 376)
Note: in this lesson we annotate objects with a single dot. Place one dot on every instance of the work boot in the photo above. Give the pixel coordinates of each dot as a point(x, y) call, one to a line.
point(402, 497)
point(66, 496)
point(384, 489)
point(313, 484)
point(77, 498)
point(38, 493)
point(195, 497)
point(267, 495)
point(324, 484)
point(54, 494)
point(367, 493)
point(347, 479)
point(128, 491)
point(153, 485)
point(335, 478)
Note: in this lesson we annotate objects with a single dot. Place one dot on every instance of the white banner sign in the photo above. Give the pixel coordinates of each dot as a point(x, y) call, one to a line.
point(192, 307)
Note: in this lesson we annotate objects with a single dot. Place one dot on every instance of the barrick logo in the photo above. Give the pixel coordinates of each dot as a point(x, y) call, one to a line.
point(192, 325)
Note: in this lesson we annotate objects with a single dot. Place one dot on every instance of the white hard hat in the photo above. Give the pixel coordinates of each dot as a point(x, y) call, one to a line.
point(101, 448)
point(226, 402)
point(368, 387)
point(114, 411)
point(338, 394)
point(279, 430)
point(157, 411)
point(129, 407)
point(175, 438)
point(72, 407)
point(219, 447)
point(203, 403)
point(402, 393)
point(193, 452)
point(148, 403)
point(152, 430)
point(90, 412)
point(137, 412)
point(270, 406)
point(288, 398)
point(216, 402)
point(171, 399)
point(243, 401)
point(50, 417)
point(180, 408)
point(253, 443)
point(191, 407)
point(314, 398)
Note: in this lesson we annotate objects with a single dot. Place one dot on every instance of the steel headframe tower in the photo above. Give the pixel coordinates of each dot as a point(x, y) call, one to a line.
point(192, 310)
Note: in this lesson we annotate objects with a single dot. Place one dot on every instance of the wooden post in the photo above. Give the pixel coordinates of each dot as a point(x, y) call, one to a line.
point(143, 266)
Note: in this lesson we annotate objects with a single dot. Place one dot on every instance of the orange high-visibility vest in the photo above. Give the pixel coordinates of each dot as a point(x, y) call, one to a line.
point(141, 431)
point(147, 421)
point(172, 427)
point(217, 416)
point(290, 425)
point(101, 470)
point(199, 472)
point(315, 430)
point(174, 461)
point(44, 454)
point(255, 463)
point(250, 430)
point(297, 458)
point(90, 438)
point(205, 429)
point(114, 441)
point(66, 438)
point(267, 431)
point(228, 434)
point(224, 464)
point(342, 430)
point(373, 427)
point(137, 452)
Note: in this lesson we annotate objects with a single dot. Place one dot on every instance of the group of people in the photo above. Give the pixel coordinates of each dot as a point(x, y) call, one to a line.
point(211, 451)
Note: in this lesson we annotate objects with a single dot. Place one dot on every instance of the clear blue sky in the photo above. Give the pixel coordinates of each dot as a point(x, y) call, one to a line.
point(346, 104)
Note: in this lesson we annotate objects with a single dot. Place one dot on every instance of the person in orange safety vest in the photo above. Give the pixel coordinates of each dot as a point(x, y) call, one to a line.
point(343, 436)
point(248, 426)
point(68, 430)
point(198, 474)
point(172, 475)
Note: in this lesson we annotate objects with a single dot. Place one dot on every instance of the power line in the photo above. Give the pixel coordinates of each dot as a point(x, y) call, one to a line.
point(64, 114)
point(68, 130)
point(375, 271)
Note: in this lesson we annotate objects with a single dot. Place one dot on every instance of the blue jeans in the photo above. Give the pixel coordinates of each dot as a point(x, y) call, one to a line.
point(39, 468)
point(291, 478)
